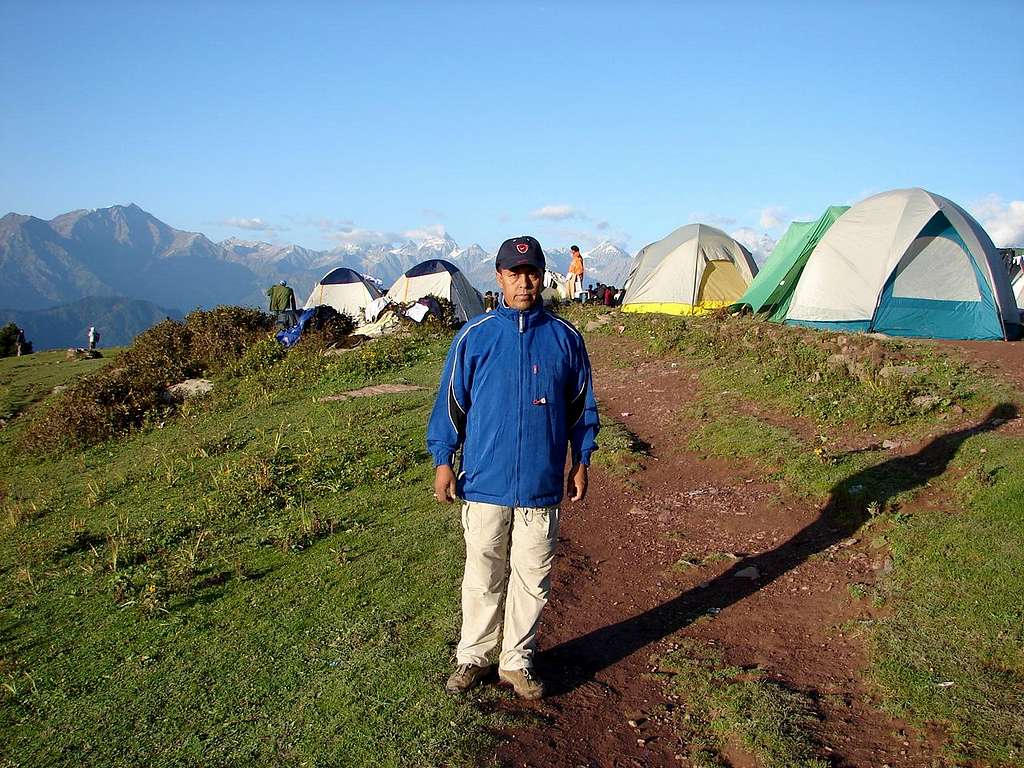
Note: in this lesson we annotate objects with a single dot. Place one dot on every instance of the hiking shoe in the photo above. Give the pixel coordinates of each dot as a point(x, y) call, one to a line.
point(465, 677)
point(524, 682)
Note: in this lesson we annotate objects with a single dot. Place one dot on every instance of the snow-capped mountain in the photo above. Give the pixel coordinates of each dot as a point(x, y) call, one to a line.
point(606, 263)
point(125, 251)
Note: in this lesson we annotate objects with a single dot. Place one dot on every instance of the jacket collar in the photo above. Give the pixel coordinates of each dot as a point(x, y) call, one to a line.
point(526, 318)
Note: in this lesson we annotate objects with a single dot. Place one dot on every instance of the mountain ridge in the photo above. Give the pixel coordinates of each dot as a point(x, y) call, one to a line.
point(123, 250)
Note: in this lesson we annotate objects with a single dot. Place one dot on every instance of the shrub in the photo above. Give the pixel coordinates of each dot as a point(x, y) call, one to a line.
point(259, 357)
point(220, 335)
point(124, 396)
point(8, 339)
point(328, 328)
point(448, 319)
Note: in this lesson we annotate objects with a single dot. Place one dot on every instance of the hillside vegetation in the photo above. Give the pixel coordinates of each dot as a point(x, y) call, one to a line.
point(834, 418)
point(261, 577)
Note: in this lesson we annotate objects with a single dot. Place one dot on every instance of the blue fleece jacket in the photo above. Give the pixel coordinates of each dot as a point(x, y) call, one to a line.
point(515, 393)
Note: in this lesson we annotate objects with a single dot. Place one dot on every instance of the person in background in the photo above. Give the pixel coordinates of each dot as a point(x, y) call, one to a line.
point(490, 302)
point(94, 337)
point(609, 296)
point(574, 277)
point(282, 303)
point(19, 342)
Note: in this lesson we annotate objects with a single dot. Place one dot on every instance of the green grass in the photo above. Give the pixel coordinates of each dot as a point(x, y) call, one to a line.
point(622, 452)
point(725, 705)
point(27, 379)
point(261, 580)
point(949, 650)
point(953, 649)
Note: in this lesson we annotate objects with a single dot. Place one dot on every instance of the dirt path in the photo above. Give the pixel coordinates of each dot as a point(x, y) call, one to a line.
point(1002, 358)
point(617, 600)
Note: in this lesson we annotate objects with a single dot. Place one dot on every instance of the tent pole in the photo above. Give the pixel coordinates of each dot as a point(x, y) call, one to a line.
point(693, 294)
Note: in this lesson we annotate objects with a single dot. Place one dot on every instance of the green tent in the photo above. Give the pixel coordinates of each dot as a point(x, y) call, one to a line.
point(773, 287)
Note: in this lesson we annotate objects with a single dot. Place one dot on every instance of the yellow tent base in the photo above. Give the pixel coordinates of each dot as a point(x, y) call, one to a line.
point(677, 309)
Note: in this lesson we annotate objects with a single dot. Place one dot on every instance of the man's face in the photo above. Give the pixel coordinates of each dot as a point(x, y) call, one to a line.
point(520, 286)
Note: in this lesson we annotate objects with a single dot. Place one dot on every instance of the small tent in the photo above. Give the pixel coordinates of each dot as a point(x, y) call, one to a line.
point(345, 290)
point(773, 287)
point(556, 288)
point(1018, 291)
point(440, 278)
point(908, 263)
point(694, 269)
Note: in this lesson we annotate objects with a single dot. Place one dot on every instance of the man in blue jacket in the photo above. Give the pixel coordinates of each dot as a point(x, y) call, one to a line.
point(515, 394)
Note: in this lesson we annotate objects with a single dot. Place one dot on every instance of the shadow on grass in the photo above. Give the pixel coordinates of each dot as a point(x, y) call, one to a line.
point(213, 586)
point(576, 661)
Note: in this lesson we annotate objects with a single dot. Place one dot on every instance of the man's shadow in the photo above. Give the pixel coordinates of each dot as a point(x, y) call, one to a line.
point(577, 661)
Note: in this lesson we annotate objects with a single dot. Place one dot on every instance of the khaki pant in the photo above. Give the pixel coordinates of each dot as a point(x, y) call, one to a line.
point(488, 529)
point(572, 285)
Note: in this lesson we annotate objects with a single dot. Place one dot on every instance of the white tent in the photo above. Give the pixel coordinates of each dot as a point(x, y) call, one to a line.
point(345, 290)
point(907, 263)
point(694, 269)
point(555, 288)
point(440, 278)
point(1018, 291)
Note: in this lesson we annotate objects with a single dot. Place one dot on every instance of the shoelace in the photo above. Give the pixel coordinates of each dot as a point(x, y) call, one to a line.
point(464, 668)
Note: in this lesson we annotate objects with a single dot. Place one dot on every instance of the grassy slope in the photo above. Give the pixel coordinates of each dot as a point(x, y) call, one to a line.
point(26, 379)
point(265, 581)
point(956, 614)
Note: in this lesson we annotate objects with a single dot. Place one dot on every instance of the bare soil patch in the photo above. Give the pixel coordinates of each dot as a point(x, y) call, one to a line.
point(656, 557)
point(377, 389)
point(1004, 359)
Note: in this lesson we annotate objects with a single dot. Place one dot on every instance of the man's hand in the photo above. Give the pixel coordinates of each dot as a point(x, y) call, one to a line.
point(576, 485)
point(444, 484)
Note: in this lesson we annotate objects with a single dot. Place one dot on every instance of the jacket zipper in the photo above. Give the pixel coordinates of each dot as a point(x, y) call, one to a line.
point(519, 405)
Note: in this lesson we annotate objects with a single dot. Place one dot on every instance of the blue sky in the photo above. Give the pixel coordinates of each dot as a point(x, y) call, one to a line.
point(320, 123)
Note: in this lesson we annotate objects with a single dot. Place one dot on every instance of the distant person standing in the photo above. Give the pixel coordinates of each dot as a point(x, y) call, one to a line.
point(574, 277)
point(19, 342)
point(94, 337)
point(282, 303)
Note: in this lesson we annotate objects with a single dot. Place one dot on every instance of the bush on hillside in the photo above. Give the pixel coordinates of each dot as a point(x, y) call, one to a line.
point(122, 396)
point(328, 328)
point(448, 319)
point(8, 337)
point(220, 335)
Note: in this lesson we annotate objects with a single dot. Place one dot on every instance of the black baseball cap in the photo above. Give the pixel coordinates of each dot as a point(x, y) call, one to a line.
point(522, 251)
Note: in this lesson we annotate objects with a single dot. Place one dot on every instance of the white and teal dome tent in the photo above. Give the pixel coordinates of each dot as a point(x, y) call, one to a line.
point(907, 263)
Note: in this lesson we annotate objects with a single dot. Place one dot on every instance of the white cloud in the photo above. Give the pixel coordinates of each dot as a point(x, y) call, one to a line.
point(347, 235)
point(1004, 222)
point(255, 224)
point(760, 244)
point(712, 218)
point(426, 233)
point(559, 212)
point(773, 216)
point(587, 239)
